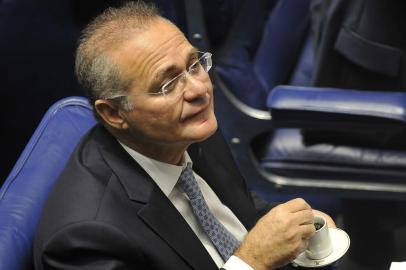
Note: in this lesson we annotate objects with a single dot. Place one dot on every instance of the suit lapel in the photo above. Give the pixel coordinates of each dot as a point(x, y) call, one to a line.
point(212, 160)
point(166, 221)
point(159, 213)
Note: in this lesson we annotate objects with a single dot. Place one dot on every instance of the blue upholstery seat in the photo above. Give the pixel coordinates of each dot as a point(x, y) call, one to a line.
point(349, 140)
point(25, 190)
point(292, 155)
point(345, 145)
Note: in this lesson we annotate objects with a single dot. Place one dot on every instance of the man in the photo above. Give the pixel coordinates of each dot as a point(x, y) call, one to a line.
point(123, 201)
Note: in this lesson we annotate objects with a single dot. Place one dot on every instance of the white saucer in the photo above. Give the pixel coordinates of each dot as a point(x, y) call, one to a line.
point(341, 243)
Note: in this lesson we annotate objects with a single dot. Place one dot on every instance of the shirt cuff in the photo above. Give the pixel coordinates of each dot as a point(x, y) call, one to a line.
point(235, 263)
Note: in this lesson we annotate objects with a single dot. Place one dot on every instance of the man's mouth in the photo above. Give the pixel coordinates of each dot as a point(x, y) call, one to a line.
point(201, 113)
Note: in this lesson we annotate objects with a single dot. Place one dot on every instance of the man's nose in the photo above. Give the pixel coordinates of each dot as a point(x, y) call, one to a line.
point(194, 88)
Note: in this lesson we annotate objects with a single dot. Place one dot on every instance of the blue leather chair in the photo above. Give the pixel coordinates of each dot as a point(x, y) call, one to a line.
point(271, 48)
point(344, 140)
point(25, 190)
point(267, 138)
point(342, 147)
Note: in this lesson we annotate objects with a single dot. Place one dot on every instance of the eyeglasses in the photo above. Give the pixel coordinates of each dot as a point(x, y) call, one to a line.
point(176, 85)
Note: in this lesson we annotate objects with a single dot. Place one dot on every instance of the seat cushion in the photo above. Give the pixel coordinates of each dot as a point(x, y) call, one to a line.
point(288, 154)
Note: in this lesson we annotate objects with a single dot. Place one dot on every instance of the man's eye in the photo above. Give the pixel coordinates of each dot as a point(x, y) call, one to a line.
point(194, 68)
point(168, 87)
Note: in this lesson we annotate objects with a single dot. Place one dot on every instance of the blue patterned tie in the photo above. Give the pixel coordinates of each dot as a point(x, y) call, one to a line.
point(222, 239)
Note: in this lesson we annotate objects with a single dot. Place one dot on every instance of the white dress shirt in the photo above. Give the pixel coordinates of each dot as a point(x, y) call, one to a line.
point(166, 176)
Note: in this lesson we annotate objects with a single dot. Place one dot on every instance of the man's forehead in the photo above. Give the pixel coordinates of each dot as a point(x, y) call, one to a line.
point(144, 53)
point(159, 35)
point(163, 71)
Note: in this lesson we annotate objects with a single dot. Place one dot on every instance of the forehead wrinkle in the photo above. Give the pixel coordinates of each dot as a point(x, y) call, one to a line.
point(171, 68)
point(151, 63)
point(146, 57)
point(164, 47)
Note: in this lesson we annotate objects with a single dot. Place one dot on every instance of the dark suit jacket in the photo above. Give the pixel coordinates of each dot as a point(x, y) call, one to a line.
point(360, 44)
point(107, 213)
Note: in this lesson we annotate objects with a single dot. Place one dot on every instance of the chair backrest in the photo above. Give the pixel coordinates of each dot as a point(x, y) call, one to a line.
point(251, 67)
point(25, 190)
point(271, 48)
point(284, 44)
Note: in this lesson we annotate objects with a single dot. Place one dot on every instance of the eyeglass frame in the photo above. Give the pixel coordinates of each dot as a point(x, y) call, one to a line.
point(162, 92)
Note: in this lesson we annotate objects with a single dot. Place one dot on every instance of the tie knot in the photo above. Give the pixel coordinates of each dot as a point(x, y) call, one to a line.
point(187, 172)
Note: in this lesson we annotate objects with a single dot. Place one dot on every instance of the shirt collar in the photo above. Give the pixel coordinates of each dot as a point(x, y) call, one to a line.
point(165, 175)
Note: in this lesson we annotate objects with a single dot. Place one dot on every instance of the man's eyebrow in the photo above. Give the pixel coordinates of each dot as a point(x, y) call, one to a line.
point(170, 70)
point(193, 52)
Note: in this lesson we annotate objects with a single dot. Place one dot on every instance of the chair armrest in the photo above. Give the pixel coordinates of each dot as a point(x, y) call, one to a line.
point(318, 107)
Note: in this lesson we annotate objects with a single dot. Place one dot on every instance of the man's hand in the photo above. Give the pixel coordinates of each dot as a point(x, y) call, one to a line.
point(279, 236)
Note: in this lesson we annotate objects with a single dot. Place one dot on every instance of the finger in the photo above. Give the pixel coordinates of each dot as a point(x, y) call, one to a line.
point(329, 220)
point(303, 217)
point(297, 204)
point(307, 231)
point(302, 247)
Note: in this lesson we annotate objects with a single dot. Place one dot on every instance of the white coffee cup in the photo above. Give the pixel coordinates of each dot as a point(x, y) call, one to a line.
point(320, 245)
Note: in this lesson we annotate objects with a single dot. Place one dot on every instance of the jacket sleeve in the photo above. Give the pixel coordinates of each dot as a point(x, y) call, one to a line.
point(88, 245)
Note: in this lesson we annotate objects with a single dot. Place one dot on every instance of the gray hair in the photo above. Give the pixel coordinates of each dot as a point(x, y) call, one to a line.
point(98, 73)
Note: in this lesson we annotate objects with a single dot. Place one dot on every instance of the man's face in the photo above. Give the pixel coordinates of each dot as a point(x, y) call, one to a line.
point(152, 59)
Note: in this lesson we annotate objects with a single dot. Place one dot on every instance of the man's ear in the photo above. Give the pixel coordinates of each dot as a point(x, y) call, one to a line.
point(111, 115)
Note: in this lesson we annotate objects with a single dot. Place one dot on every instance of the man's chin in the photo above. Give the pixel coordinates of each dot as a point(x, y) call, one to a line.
point(204, 130)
